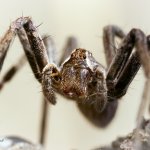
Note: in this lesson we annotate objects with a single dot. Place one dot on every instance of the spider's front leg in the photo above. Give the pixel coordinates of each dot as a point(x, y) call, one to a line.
point(49, 72)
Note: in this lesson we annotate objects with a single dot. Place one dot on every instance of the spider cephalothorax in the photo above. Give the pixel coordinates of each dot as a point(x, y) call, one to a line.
point(80, 77)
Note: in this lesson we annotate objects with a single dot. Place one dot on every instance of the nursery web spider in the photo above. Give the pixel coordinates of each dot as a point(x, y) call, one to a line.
point(80, 77)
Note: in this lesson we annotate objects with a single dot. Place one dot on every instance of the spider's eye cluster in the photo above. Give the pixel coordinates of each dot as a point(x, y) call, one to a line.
point(79, 54)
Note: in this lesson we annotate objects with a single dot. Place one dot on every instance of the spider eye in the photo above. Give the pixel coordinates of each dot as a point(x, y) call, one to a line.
point(84, 56)
point(56, 78)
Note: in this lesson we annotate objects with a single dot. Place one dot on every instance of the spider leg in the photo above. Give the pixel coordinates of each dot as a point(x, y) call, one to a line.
point(51, 49)
point(18, 65)
point(44, 121)
point(12, 71)
point(50, 73)
point(37, 45)
point(42, 60)
point(31, 59)
point(34, 50)
point(5, 43)
point(16, 28)
point(145, 97)
point(127, 75)
point(126, 63)
point(109, 34)
point(29, 54)
point(71, 44)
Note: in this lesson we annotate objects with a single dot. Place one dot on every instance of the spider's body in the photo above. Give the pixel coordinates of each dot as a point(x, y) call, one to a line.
point(95, 89)
point(82, 78)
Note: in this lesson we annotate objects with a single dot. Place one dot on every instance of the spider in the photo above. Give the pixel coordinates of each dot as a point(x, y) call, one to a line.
point(80, 77)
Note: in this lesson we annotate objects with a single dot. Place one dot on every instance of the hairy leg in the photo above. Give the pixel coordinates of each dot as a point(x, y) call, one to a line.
point(37, 44)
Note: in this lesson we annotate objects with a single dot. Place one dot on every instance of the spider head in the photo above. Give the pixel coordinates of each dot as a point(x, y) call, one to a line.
point(79, 54)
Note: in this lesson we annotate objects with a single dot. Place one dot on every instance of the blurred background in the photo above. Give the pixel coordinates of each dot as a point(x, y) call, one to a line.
point(20, 100)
